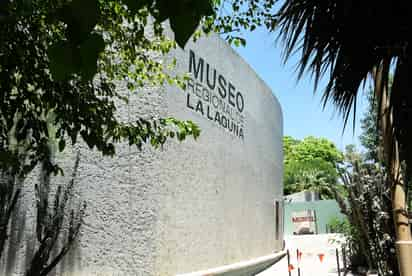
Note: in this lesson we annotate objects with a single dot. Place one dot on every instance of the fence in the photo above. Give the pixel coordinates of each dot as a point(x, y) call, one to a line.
point(310, 255)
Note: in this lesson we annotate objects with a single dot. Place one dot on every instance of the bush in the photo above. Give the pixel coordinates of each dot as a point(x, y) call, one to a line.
point(336, 225)
point(370, 242)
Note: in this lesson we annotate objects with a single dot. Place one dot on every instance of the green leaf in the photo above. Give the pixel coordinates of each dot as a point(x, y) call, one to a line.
point(89, 53)
point(62, 144)
point(81, 17)
point(184, 16)
point(236, 42)
point(6, 158)
point(135, 5)
point(166, 9)
point(204, 7)
point(61, 59)
point(183, 27)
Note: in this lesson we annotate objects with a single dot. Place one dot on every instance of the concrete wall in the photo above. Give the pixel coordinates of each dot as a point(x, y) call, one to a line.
point(192, 205)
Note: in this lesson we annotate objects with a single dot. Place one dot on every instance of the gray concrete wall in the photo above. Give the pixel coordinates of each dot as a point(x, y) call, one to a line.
point(192, 205)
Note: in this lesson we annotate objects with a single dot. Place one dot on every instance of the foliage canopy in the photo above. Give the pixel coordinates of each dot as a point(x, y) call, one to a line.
point(310, 164)
point(50, 52)
point(60, 62)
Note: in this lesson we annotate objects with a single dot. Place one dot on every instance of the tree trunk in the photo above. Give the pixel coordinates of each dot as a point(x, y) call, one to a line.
point(402, 229)
point(392, 160)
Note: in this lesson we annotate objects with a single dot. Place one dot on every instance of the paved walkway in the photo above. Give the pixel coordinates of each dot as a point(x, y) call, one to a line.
point(313, 248)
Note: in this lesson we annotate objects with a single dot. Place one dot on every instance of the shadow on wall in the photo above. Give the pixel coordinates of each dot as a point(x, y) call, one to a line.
point(21, 246)
point(43, 229)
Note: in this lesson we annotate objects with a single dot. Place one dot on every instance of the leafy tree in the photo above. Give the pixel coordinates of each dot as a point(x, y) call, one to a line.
point(323, 32)
point(233, 17)
point(369, 136)
point(367, 205)
point(50, 52)
point(310, 164)
point(337, 225)
point(315, 175)
point(60, 61)
point(312, 148)
point(289, 144)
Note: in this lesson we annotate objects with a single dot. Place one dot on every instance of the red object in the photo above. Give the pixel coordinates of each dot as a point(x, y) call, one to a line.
point(291, 267)
point(302, 219)
point(321, 256)
point(299, 255)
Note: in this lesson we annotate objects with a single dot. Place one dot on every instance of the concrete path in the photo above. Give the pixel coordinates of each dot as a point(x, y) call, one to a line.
point(313, 248)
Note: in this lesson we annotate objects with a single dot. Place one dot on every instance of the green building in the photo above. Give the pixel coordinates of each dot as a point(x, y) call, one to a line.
point(306, 217)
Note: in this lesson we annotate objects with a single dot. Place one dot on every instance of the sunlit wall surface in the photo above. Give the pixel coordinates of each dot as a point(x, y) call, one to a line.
point(192, 205)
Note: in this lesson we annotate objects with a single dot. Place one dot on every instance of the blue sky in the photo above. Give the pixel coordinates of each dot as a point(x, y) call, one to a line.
point(302, 109)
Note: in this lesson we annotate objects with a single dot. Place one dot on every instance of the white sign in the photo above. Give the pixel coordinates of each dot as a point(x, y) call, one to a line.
point(304, 222)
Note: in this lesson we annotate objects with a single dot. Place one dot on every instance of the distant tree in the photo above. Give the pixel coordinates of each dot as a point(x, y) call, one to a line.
point(351, 154)
point(315, 175)
point(321, 34)
point(370, 137)
point(310, 164)
point(313, 148)
point(289, 144)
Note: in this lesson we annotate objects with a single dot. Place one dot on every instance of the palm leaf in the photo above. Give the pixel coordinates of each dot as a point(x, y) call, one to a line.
point(344, 40)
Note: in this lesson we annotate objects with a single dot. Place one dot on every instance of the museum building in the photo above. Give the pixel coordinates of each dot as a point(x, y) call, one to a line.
point(193, 205)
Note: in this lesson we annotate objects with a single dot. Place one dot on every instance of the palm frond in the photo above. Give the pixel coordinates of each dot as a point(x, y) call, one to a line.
point(343, 40)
